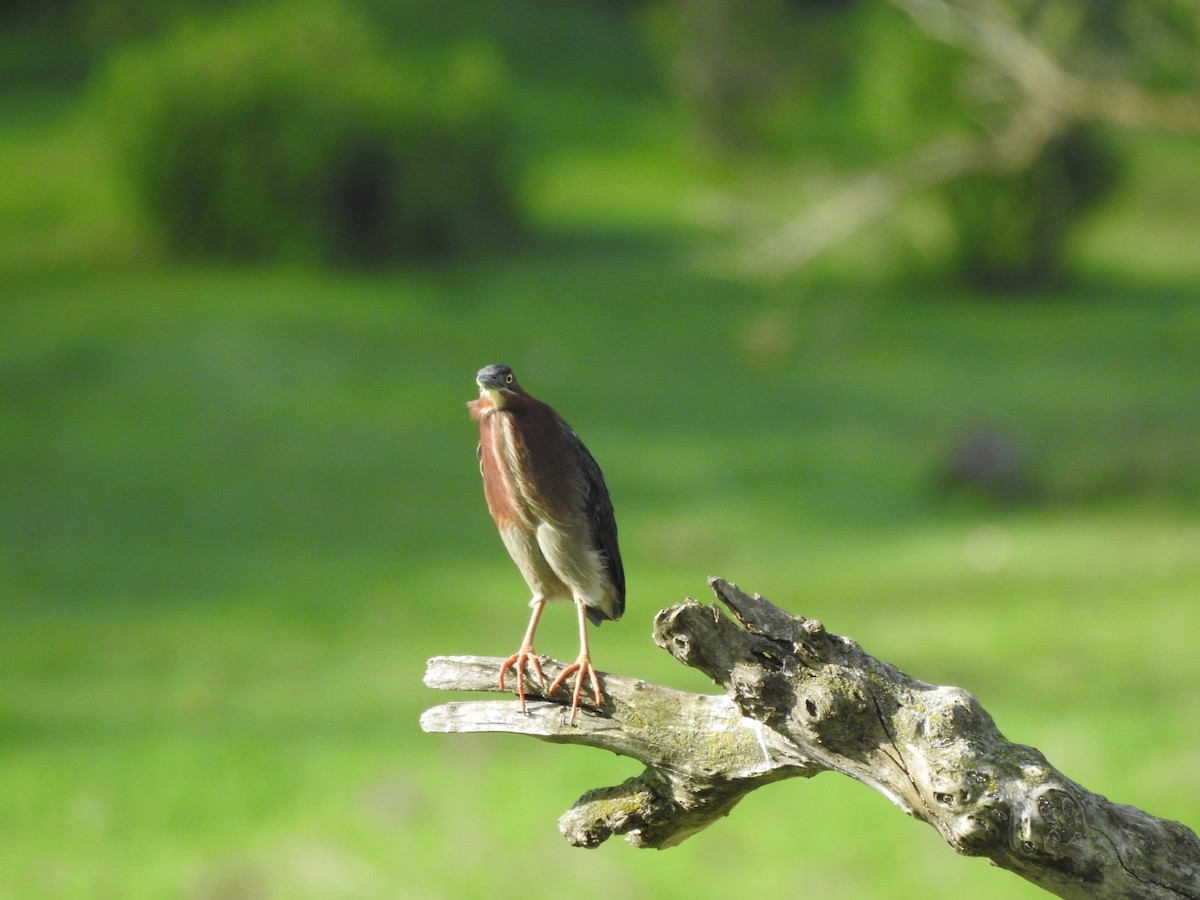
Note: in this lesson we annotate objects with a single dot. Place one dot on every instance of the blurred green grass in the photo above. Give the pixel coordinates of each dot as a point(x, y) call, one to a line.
point(240, 508)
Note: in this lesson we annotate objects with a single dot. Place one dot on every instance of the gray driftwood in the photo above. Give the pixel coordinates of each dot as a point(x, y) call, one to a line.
point(799, 701)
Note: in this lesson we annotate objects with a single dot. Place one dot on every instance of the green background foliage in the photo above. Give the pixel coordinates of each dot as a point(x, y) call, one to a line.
point(239, 505)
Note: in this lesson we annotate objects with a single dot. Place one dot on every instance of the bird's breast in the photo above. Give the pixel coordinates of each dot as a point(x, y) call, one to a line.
point(503, 462)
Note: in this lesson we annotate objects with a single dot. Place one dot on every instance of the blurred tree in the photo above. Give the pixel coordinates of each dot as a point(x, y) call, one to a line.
point(744, 72)
point(997, 112)
point(105, 24)
point(19, 12)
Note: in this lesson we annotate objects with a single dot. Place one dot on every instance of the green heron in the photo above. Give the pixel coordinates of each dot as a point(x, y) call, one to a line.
point(550, 504)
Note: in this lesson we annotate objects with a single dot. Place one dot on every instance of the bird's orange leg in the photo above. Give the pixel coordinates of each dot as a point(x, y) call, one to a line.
point(525, 656)
point(582, 667)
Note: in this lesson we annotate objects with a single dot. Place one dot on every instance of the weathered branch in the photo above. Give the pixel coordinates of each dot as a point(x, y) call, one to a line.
point(798, 701)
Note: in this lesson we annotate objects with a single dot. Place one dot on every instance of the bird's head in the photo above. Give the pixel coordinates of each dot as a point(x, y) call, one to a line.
point(498, 384)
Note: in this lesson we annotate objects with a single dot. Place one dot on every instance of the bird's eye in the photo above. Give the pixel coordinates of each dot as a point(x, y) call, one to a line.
point(508, 379)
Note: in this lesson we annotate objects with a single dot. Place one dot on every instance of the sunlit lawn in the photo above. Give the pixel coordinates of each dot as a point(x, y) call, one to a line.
point(239, 509)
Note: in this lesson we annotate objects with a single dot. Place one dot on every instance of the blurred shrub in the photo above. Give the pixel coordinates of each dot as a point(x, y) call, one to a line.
point(284, 132)
point(1011, 230)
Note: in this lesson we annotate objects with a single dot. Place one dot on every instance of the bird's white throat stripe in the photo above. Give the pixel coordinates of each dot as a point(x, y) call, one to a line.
point(494, 396)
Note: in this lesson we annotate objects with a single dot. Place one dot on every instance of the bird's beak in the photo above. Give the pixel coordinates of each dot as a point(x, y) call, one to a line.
point(491, 389)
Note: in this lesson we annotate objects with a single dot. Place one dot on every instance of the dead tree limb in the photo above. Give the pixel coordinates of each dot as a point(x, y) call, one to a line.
point(799, 701)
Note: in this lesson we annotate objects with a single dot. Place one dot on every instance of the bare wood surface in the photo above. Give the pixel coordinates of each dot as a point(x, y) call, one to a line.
point(799, 701)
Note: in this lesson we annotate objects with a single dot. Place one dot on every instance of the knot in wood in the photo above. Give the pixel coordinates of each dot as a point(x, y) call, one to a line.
point(692, 634)
point(762, 692)
point(976, 819)
point(836, 711)
point(812, 628)
point(1052, 821)
point(951, 713)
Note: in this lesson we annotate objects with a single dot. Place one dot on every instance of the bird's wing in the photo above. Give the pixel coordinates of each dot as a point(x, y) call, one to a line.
point(603, 522)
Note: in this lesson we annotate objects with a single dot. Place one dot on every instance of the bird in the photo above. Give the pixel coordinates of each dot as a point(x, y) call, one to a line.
point(549, 501)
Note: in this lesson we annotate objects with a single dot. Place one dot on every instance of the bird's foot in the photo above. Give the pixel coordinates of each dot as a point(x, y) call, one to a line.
point(582, 669)
point(517, 662)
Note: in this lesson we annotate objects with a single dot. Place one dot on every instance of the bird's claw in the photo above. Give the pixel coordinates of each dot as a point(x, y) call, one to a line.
point(582, 669)
point(517, 662)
